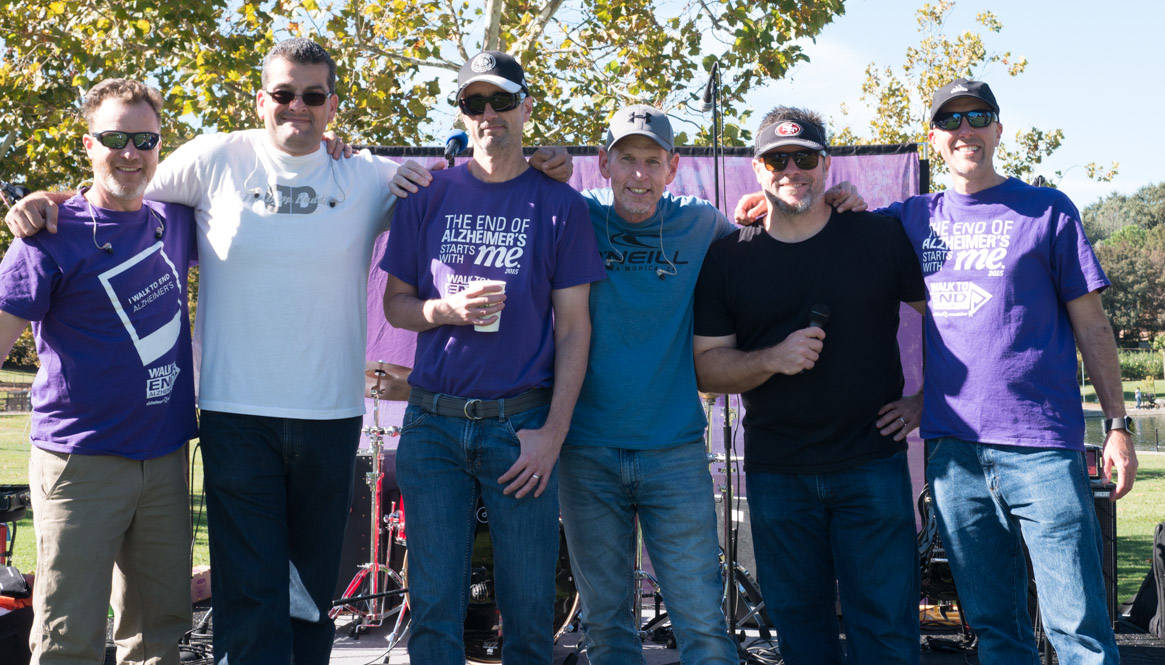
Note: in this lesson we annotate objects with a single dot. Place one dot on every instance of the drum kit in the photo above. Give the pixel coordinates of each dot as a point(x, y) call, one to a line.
point(378, 594)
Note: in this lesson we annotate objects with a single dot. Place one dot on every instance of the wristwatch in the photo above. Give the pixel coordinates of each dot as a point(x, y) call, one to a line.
point(1125, 423)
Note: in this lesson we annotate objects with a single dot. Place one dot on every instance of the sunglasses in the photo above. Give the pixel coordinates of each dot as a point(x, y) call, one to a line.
point(309, 98)
point(806, 160)
point(117, 140)
point(949, 122)
point(500, 102)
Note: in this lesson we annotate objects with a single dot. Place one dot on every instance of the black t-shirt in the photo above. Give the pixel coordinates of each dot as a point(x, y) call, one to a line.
point(861, 266)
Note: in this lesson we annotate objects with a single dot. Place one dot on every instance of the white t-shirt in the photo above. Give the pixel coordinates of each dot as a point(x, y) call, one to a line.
point(282, 300)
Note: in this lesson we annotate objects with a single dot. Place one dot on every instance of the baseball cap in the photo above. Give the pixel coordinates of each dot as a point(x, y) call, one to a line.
point(788, 132)
point(640, 120)
point(961, 87)
point(500, 69)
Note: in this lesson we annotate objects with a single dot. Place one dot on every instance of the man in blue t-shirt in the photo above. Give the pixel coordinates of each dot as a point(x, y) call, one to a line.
point(113, 402)
point(635, 447)
point(492, 266)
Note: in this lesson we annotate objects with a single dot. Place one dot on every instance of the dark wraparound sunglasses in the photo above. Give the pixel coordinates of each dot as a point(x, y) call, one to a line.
point(117, 140)
point(309, 98)
point(949, 122)
point(500, 102)
point(806, 160)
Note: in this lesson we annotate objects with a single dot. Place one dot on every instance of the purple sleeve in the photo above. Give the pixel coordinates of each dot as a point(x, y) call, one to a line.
point(28, 277)
point(401, 252)
point(577, 260)
point(1075, 267)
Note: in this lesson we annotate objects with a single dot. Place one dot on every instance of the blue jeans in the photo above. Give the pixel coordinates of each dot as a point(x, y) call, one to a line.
point(601, 490)
point(988, 498)
point(443, 464)
point(856, 527)
point(278, 491)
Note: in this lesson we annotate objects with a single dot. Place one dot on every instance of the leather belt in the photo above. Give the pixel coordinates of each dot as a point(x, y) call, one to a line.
point(476, 409)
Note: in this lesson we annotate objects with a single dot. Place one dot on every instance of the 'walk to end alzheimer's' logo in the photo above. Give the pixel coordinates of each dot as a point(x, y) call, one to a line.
point(956, 298)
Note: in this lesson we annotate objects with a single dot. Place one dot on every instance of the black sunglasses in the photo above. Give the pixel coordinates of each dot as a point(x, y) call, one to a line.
point(806, 160)
point(500, 102)
point(309, 98)
point(115, 140)
point(949, 122)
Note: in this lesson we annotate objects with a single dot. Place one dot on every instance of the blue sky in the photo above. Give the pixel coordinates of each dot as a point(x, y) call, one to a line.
point(1093, 71)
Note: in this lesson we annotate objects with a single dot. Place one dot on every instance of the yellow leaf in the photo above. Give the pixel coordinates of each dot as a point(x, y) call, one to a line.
point(143, 25)
point(57, 7)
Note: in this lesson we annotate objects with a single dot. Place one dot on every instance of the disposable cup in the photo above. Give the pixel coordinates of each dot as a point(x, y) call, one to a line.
point(490, 284)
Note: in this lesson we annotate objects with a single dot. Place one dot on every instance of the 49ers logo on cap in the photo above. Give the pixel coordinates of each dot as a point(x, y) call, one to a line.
point(788, 129)
point(483, 63)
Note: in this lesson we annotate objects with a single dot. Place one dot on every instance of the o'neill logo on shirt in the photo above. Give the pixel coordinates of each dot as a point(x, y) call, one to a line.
point(956, 298)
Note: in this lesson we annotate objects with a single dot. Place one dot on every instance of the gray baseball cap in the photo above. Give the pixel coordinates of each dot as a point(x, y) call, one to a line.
point(640, 120)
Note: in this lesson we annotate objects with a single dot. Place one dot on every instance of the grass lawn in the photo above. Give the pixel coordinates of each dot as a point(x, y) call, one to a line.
point(1129, 388)
point(1137, 513)
point(14, 471)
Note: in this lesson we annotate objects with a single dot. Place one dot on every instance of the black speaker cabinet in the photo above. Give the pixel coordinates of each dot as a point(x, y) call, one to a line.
point(745, 556)
point(1106, 515)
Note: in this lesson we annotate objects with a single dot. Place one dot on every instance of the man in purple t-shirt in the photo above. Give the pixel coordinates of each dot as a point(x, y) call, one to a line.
point(1013, 289)
point(489, 410)
point(113, 402)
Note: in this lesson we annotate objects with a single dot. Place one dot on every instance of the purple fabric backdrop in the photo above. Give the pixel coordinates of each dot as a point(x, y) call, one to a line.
point(881, 179)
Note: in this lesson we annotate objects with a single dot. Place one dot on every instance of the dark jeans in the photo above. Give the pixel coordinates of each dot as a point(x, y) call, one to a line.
point(856, 527)
point(277, 494)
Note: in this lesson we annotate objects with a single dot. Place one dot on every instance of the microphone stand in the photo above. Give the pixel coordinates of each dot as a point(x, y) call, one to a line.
point(729, 540)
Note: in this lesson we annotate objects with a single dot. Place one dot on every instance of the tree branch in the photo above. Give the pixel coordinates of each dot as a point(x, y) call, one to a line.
point(493, 20)
point(458, 37)
point(538, 26)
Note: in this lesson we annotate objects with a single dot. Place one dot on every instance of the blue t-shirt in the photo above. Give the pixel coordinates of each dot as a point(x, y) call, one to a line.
point(999, 267)
point(112, 329)
point(531, 232)
point(640, 386)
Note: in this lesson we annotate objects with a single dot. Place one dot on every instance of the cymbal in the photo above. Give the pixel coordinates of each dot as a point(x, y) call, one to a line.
point(392, 380)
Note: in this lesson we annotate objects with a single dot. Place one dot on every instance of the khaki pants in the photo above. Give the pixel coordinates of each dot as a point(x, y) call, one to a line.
point(100, 514)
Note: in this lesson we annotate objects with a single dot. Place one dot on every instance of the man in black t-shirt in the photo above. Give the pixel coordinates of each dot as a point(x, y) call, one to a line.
point(828, 482)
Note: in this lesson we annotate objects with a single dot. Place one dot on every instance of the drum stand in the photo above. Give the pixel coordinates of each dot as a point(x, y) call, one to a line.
point(377, 593)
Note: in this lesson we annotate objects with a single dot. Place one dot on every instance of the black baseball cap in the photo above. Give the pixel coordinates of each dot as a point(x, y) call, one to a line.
point(961, 87)
point(500, 69)
point(788, 132)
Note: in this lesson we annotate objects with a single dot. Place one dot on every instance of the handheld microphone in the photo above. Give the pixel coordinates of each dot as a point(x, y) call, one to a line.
point(705, 104)
point(819, 316)
point(455, 143)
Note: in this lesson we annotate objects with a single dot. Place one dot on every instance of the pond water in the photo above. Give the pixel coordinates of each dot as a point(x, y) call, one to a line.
point(1148, 429)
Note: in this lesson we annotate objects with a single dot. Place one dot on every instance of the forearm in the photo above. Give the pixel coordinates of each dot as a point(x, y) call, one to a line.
point(11, 328)
point(731, 371)
point(1098, 349)
point(408, 312)
point(570, 364)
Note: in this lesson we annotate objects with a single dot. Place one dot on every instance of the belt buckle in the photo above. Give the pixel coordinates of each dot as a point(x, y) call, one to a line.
point(468, 404)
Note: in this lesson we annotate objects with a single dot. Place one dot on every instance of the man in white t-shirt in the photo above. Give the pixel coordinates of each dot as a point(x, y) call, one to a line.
point(285, 236)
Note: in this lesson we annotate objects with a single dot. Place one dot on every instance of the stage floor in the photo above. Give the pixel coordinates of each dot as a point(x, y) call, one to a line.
point(1135, 649)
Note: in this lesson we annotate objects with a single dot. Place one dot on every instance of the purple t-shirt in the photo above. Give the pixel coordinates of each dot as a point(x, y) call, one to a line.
point(112, 329)
point(999, 267)
point(532, 232)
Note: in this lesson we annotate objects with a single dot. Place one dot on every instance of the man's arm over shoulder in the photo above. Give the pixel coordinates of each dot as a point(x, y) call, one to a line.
point(1098, 348)
point(184, 175)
